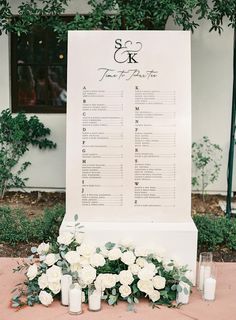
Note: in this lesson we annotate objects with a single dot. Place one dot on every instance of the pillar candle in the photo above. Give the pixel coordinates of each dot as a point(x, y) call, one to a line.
point(204, 273)
point(66, 282)
point(182, 297)
point(94, 300)
point(75, 299)
point(209, 288)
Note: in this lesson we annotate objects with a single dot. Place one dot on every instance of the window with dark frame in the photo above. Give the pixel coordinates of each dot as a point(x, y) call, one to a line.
point(38, 72)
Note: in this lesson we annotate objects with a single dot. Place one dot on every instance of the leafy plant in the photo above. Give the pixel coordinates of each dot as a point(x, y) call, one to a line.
point(16, 135)
point(206, 159)
point(215, 232)
point(116, 15)
point(16, 227)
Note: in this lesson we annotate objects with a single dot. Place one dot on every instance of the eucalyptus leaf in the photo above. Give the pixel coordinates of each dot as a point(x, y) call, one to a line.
point(179, 288)
point(186, 290)
point(33, 249)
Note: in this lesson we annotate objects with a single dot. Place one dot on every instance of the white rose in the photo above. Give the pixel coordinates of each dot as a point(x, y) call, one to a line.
point(65, 238)
point(43, 281)
point(97, 260)
point(141, 262)
point(43, 248)
point(145, 286)
point(87, 274)
point(109, 280)
point(114, 254)
point(99, 283)
point(104, 251)
point(76, 267)
point(159, 282)
point(86, 250)
point(134, 268)
point(45, 298)
point(154, 295)
point(128, 258)
point(126, 277)
point(146, 273)
point(84, 261)
point(125, 291)
point(72, 257)
point(50, 259)
point(32, 271)
point(79, 237)
point(168, 265)
point(127, 243)
point(141, 252)
point(55, 287)
point(54, 274)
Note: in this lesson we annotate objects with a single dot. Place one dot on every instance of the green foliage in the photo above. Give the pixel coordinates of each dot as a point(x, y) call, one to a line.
point(16, 227)
point(206, 158)
point(214, 232)
point(116, 15)
point(16, 135)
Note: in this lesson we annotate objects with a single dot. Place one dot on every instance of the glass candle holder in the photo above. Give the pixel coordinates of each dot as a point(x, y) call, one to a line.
point(94, 298)
point(75, 299)
point(204, 268)
point(209, 289)
point(66, 282)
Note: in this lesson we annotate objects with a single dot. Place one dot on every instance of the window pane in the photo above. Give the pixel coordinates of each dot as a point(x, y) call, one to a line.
point(26, 86)
point(38, 80)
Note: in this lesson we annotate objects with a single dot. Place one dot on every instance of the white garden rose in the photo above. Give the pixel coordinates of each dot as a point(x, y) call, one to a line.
point(84, 261)
point(65, 238)
point(114, 254)
point(97, 260)
point(50, 259)
point(154, 295)
point(45, 298)
point(43, 281)
point(127, 243)
point(141, 262)
point(134, 268)
point(54, 274)
point(104, 251)
point(168, 265)
point(55, 287)
point(126, 277)
point(43, 248)
point(109, 280)
point(128, 258)
point(99, 282)
point(141, 252)
point(124, 290)
point(79, 237)
point(72, 257)
point(159, 282)
point(86, 250)
point(87, 274)
point(146, 273)
point(32, 271)
point(76, 267)
point(145, 286)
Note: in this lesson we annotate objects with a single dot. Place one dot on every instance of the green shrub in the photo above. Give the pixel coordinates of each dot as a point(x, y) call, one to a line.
point(16, 227)
point(215, 231)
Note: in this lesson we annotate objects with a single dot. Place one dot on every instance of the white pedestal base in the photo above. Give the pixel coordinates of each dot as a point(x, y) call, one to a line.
point(178, 240)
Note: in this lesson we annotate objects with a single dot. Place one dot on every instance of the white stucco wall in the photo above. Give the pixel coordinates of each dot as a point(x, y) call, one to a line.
point(212, 65)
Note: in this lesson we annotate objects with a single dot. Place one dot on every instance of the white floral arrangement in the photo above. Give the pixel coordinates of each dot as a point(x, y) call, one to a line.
point(121, 271)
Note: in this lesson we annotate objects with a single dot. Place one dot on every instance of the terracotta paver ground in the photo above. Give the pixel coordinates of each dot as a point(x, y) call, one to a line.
point(223, 308)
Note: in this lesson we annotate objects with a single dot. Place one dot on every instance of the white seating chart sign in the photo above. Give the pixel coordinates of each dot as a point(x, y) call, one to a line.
point(129, 126)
